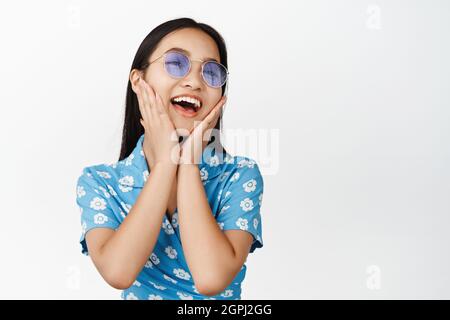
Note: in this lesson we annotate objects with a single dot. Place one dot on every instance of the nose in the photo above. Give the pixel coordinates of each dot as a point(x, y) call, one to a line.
point(194, 77)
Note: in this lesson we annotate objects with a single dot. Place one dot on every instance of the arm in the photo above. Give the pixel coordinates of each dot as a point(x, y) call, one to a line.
point(214, 257)
point(119, 256)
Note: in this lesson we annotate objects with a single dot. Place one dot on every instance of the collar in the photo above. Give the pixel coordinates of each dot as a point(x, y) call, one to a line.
point(135, 165)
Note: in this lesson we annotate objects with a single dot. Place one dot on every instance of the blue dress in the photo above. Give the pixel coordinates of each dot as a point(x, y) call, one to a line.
point(234, 187)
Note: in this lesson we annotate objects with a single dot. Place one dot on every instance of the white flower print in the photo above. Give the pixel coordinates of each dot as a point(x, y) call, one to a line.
point(221, 224)
point(100, 218)
point(170, 279)
point(98, 204)
point(242, 223)
point(228, 293)
point(168, 227)
point(83, 227)
point(141, 153)
point(145, 175)
point(214, 161)
point(89, 174)
point(219, 194)
point(171, 252)
point(136, 283)
point(129, 160)
point(224, 209)
point(127, 181)
point(154, 259)
point(246, 204)
point(182, 274)
point(227, 194)
point(255, 223)
point(229, 159)
point(175, 219)
point(148, 264)
point(203, 174)
point(195, 289)
point(157, 286)
point(154, 297)
point(251, 163)
point(224, 175)
point(111, 190)
point(184, 296)
point(234, 177)
point(80, 191)
point(132, 296)
point(258, 238)
point(122, 214)
point(125, 189)
point(105, 193)
point(260, 198)
point(242, 163)
point(250, 185)
point(104, 174)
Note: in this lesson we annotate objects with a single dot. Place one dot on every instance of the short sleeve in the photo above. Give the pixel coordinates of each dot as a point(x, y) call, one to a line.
point(95, 209)
point(240, 206)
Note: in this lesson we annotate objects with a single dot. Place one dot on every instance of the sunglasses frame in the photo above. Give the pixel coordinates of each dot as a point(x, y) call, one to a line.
point(190, 67)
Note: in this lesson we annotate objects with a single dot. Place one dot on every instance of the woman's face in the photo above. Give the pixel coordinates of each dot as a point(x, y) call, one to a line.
point(199, 45)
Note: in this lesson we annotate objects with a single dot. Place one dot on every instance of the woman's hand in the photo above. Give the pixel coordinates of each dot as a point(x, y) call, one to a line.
point(161, 139)
point(192, 148)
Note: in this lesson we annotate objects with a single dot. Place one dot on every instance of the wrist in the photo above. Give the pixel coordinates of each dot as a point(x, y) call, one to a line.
point(165, 165)
point(188, 167)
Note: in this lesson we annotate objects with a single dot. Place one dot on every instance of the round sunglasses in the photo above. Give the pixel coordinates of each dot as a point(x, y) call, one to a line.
point(178, 65)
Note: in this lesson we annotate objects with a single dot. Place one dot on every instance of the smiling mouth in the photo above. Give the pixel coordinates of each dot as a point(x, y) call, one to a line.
point(185, 107)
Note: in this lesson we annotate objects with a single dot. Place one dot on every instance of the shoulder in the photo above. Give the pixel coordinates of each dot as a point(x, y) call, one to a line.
point(241, 163)
point(242, 168)
point(99, 175)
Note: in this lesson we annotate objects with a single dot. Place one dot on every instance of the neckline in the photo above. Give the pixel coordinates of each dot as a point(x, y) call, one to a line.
point(170, 216)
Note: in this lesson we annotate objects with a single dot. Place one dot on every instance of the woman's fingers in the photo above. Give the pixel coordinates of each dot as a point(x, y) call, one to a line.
point(160, 104)
point(215, 112)
point(141, 104)
point(205, 124)
point(151, 98)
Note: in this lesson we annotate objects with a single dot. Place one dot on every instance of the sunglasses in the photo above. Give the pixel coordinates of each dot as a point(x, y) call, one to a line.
point(178, 65)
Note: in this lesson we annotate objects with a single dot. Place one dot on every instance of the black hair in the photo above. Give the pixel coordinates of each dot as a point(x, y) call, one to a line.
point(132, 127)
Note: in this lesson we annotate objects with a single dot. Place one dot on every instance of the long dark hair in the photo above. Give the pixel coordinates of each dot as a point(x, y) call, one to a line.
point(132, 128)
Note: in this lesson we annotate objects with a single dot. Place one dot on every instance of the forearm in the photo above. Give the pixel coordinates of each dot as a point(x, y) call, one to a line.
point(127, 251)
point(208, 252)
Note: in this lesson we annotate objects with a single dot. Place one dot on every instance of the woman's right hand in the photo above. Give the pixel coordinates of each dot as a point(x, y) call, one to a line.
point(161, 139)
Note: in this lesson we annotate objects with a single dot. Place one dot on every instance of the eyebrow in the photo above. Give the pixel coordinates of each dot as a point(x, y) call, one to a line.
point(189, 54)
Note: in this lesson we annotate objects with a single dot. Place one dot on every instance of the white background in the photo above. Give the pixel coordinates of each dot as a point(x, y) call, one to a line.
point(358, 90)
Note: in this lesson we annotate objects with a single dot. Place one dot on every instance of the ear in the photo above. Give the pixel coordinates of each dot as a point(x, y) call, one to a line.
point(135, 74)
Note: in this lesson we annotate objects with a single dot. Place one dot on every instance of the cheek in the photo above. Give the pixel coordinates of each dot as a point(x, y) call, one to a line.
point(215, 99)
point(160, 86)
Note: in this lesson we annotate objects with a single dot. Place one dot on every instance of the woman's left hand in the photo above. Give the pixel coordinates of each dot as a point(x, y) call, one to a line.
point(192, 148)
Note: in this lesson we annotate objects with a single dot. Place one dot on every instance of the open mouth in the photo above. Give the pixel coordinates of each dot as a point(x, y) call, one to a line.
point(186, 106)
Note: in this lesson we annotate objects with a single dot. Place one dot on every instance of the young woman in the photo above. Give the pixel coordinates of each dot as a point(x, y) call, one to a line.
point(176, 216)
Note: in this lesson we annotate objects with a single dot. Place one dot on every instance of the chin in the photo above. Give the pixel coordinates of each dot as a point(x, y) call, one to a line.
point(183, 128)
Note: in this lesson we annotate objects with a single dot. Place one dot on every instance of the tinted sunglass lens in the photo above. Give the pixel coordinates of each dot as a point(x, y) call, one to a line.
point(215, 74)
point(177, 64)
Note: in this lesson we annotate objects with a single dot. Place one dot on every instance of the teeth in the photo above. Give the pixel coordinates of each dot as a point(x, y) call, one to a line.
point(188, 99)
